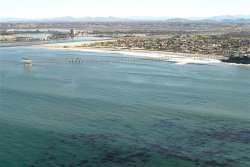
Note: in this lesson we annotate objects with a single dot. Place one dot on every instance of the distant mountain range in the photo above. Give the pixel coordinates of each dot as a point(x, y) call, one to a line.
point(225, 18)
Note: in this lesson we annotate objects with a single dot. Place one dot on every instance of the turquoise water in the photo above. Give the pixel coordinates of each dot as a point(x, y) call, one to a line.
point(146, 114)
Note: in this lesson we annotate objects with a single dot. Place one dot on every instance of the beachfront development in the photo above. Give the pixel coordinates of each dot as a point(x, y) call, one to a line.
point(233, 47)
point(229, 40)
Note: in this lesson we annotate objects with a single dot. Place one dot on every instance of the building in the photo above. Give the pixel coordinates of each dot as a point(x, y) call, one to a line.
point(72, 32)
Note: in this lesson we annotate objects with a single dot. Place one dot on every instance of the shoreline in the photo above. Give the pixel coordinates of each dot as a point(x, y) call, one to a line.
point(72, 44)
point(179, 58)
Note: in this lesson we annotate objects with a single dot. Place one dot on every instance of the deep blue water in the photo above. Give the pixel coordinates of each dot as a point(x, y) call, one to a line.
point(146, 113)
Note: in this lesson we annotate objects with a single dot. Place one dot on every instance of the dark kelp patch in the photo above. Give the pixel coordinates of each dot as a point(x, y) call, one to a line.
point(103, 149)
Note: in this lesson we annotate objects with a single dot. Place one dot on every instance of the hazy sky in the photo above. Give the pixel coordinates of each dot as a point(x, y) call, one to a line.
point(122, 8)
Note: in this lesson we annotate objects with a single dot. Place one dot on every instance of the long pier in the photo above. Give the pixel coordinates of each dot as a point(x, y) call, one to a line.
point(78, 60)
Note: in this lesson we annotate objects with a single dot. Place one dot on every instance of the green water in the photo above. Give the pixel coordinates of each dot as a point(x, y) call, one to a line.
point(146, 114)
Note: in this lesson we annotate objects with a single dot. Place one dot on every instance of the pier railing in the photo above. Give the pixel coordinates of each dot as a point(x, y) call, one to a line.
point(78, 60)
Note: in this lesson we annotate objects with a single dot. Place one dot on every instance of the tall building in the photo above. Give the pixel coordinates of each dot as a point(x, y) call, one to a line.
point(72, 32)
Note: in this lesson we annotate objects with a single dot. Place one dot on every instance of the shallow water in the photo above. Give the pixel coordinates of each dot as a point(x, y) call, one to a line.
point(147, 113)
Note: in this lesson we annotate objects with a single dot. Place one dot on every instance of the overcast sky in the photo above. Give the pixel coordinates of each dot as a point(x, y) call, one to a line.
point(122, 8)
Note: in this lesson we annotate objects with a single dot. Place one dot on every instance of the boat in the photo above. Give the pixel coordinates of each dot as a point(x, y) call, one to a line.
point(26, 61)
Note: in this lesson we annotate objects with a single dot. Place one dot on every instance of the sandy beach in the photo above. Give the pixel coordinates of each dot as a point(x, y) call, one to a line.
point(180, 58)
point(72, 44)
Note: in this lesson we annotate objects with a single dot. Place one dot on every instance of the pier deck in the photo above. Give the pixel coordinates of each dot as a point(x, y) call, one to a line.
point(79, 60)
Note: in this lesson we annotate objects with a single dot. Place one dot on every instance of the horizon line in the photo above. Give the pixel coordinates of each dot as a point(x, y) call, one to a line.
point(169, 17)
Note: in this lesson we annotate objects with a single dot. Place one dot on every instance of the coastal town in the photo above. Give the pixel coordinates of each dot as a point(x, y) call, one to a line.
point(226, 44)
point(226, 39)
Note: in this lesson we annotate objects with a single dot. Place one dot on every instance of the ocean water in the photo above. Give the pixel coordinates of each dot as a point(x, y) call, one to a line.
point(109, 114)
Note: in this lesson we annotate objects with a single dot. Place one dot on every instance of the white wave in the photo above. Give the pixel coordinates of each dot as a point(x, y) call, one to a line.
point(235, 64)
point(183, 61)
point(144, 54)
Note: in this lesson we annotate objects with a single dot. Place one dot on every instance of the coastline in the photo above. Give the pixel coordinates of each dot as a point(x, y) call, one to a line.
point(72, 44)
point(179, 58)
